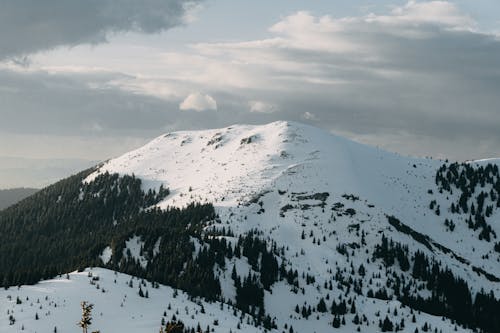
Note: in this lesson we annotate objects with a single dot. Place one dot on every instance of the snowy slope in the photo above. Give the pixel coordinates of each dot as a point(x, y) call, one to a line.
point(119, 308)
point(117, 305)
point(231, 166)
point(322, 199)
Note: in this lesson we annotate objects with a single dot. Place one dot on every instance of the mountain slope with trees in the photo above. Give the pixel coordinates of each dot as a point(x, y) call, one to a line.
point(295, 228)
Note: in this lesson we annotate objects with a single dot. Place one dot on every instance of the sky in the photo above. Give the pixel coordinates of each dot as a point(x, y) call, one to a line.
point(82, 81)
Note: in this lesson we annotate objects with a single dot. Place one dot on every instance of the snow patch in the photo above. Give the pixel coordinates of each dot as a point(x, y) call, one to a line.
point(133, 249)
point(106, 255)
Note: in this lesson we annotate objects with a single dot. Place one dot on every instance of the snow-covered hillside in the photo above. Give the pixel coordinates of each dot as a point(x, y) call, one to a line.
point(364, 240)
point(54, 306)
point(239, 165)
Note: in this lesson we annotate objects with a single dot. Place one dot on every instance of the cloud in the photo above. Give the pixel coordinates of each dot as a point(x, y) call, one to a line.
point(80, 104)
point(431, 12)
point(261, 107)
point(309, 116)
point(421, 70)
point(198, 102)
point(28, 26)
point(425, 85)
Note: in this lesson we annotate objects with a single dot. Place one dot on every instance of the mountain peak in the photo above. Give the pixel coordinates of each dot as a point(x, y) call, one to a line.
point(241, 165)
point(230, 164)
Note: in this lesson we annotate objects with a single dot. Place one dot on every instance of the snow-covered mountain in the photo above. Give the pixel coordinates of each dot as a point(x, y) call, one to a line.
point(355, 238)
point(234, 166)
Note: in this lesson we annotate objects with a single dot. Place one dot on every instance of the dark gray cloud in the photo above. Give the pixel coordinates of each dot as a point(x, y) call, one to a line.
point(49, 104)
point(28, 26)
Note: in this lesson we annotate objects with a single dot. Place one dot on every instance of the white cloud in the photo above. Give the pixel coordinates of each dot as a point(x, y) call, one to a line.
point(305, 31)
point(309, 116)
point(431, 12)
point(198, 102)
point(262, 107)
point(298, 50)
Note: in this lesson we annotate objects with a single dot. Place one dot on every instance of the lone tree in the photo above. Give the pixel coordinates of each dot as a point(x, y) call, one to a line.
point(86, 320)
point(173, 328)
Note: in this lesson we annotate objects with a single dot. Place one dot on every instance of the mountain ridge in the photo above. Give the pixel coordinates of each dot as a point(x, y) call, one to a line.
point(279, 149)
point(10, 196)
point(290, 224)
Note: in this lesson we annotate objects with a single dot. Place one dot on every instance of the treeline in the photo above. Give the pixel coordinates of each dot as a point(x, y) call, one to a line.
point(479, 189)
point(450, 296)
point(67, 225)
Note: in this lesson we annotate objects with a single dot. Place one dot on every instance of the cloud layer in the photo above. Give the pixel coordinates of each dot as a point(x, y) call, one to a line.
point(420, 72)
point(28, 26)
point(419, 79)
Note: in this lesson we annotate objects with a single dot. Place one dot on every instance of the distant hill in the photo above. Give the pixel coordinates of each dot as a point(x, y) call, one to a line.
point(12, 196)
point(18, 172)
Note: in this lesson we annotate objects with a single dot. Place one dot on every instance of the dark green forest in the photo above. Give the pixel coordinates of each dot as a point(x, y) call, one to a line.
point(479, 195)
point(451, 296)
point(66, 227)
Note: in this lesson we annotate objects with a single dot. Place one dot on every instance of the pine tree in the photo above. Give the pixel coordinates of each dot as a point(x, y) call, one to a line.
point(387, 325)
point(321, 305)
point(86, 320)
point(336, 322)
